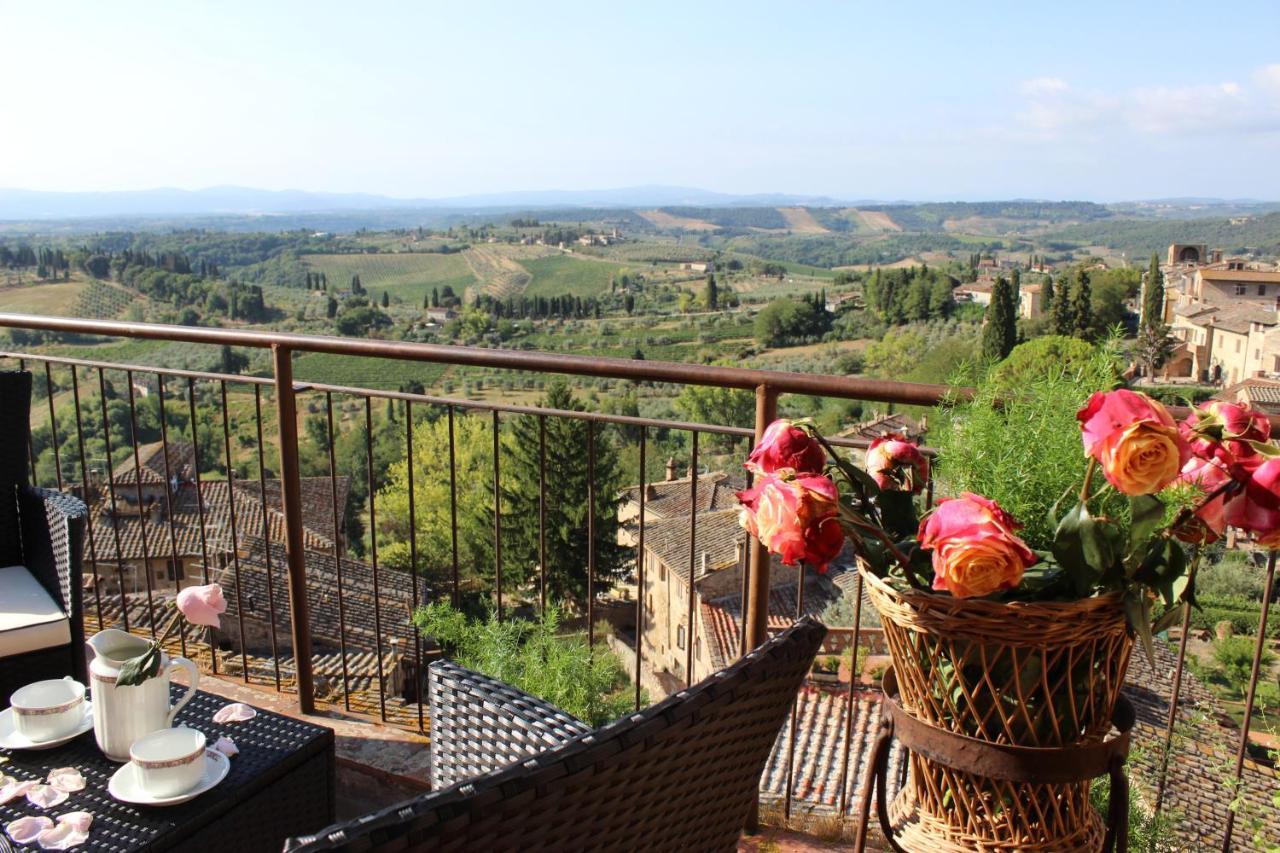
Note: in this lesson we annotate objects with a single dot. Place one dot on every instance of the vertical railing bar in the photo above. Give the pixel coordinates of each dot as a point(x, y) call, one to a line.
point(745, 566)
point(373, 558)
point(413, 560)
point(204, 537)
point(337, 550)
point(266, 537)
point(693, 558)
point(1260, 643)
point(756, 620)
point(644, 435)
point(53, 423)
point(453, 509)
point(84, 485)
point(31, 447)
point(291, 505)
point(1171, 719)
point(111, 490)
point(791, 722)
point(591, 535)
point(497, 515)
point(848, 707)
point(169, 487)
point(235, 538)
point(542, 514)
point(142, 514)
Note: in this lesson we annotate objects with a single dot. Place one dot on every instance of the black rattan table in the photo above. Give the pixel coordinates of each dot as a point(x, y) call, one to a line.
point(281, 784)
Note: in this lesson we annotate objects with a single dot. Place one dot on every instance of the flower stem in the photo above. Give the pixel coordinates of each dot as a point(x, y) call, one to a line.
point(1088, 480)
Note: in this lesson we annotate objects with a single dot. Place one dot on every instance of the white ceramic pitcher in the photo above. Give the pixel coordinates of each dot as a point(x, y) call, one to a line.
point(121, 715)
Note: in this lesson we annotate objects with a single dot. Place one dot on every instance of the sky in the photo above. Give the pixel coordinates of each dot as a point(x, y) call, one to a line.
point(853, 100)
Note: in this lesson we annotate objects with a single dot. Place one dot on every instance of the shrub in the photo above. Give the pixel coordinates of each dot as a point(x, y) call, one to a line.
point(530, 656)
point(1234, 657)
point(1234, 577)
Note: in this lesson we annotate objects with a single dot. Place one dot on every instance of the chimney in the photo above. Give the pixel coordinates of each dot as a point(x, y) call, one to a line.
point(155, 511)
point(650, 492)
point(704, 564)
point(671, 468)
point(1216, 256)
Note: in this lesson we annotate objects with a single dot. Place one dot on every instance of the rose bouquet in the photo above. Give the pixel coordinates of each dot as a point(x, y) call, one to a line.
point(1182, 484)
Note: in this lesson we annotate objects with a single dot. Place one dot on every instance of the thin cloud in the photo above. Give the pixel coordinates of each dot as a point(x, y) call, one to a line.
point(1053, 109)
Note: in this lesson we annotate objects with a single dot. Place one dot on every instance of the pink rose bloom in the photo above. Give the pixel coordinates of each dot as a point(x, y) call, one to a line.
point(1210, 520)
point(897, 464)
point(1223, 431)
point(202, 605)
point(1257, 508)
point(785, 446)
point(1135, 440)
point(797, 519)
point(975, 547)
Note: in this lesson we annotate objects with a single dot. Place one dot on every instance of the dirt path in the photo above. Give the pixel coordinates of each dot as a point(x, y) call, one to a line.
point(498, 275)
point(801, 221)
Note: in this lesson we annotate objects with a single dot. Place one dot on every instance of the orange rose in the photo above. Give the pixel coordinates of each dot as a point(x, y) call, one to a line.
point(1135, 440)
point(975, 549)
point(797, 519)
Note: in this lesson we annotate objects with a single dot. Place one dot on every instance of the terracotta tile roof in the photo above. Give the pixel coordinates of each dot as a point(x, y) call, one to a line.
point(317, 518)
point(1204, 748)
point(816, 763)
point(719, 537)
point(151, 459)
point(722, 617)
point(393, 607)
point(895, 423)
point(670, 498)
point(1256, 276)
point(1263, 394)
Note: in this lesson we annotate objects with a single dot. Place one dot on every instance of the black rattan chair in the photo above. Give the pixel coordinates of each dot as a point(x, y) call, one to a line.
point(680, 775)
point(43, 531)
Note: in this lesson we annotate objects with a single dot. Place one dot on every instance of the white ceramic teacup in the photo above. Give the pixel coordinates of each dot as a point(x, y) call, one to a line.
point(169, 762)
point(48, 710)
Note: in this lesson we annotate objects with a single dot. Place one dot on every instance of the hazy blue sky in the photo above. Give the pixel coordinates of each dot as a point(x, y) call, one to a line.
point(924, 100)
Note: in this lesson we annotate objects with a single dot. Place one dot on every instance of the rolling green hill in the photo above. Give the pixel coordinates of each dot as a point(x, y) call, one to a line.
point(408, 276)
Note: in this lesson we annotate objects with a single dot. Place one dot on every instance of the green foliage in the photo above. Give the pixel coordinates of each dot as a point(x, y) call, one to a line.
point(1234, 658)
point(1041, 357)
point(1153, 294)
point(1025, 453)
point(1235, 576)
point(790, 321)
point(1000, 333)
point(1082, 305)
point(532, 656)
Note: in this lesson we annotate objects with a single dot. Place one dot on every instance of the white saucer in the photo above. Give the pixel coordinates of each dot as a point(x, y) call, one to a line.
point(10, 739)
point(125, 788)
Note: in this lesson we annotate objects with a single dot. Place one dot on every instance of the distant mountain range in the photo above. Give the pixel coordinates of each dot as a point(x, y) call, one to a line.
point(213, 201)
point(37, 205)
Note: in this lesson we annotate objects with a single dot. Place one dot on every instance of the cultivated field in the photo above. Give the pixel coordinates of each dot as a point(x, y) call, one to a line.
point(55, 298)
point(667, 220)
point(877, 220)
point(558, 275)
point(498, 275)
point(407, 276)
point(801, 221)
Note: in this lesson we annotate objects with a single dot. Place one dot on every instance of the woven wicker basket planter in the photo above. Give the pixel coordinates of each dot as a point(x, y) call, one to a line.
point(1027, 674)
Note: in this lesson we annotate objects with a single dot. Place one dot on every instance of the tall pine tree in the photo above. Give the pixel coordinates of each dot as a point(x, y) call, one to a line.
point(1082, 306)
point(1153, 295)
point(1000, 332)
point(566, 501)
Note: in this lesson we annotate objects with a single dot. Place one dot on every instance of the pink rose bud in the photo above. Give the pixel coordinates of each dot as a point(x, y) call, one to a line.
point(202, 605)
point(1224, 432)
point(897, 464)
point(975, 549)
point(1257, 508)
point(796, 519)
point(1135, 440)
point(786, 447)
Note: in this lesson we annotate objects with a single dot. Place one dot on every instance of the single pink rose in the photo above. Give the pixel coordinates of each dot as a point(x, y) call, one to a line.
point(786, 447)
point(897, 464)
point(797, 519)
point(1134, 439)
point(975, 549)
point(202, 605)
point(1225, 432)
point(1257, 508)
point(1210, 520)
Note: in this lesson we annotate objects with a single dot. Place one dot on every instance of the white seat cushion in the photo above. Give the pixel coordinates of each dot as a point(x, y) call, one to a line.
point(30, 620)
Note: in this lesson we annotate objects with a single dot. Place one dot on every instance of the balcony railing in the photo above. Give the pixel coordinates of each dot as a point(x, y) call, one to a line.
point(366, 614)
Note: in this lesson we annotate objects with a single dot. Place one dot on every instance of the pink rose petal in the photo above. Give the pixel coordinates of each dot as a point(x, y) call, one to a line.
point(66, 779)
point(25, 830)
point(79, 820)
point(64, 836)
point(227, 747)
point(46, 796)
point(236, 712)
point(14, 789)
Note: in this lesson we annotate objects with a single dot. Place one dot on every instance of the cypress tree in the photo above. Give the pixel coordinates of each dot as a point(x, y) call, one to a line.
point(1082, 306)
point(711, 294)
point(1153, 295)
point(386, 299)
point(1000, 332)
point(1062, 318)
point(1046, 295)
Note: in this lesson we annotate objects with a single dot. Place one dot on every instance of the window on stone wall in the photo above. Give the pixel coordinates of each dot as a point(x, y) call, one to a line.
point(1262, 290)
point(173, 570)
point(1240, 290)
point(679, 636)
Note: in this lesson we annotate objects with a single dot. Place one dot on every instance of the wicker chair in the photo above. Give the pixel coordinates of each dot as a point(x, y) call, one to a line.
point(680, 775)
point(41, 539)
